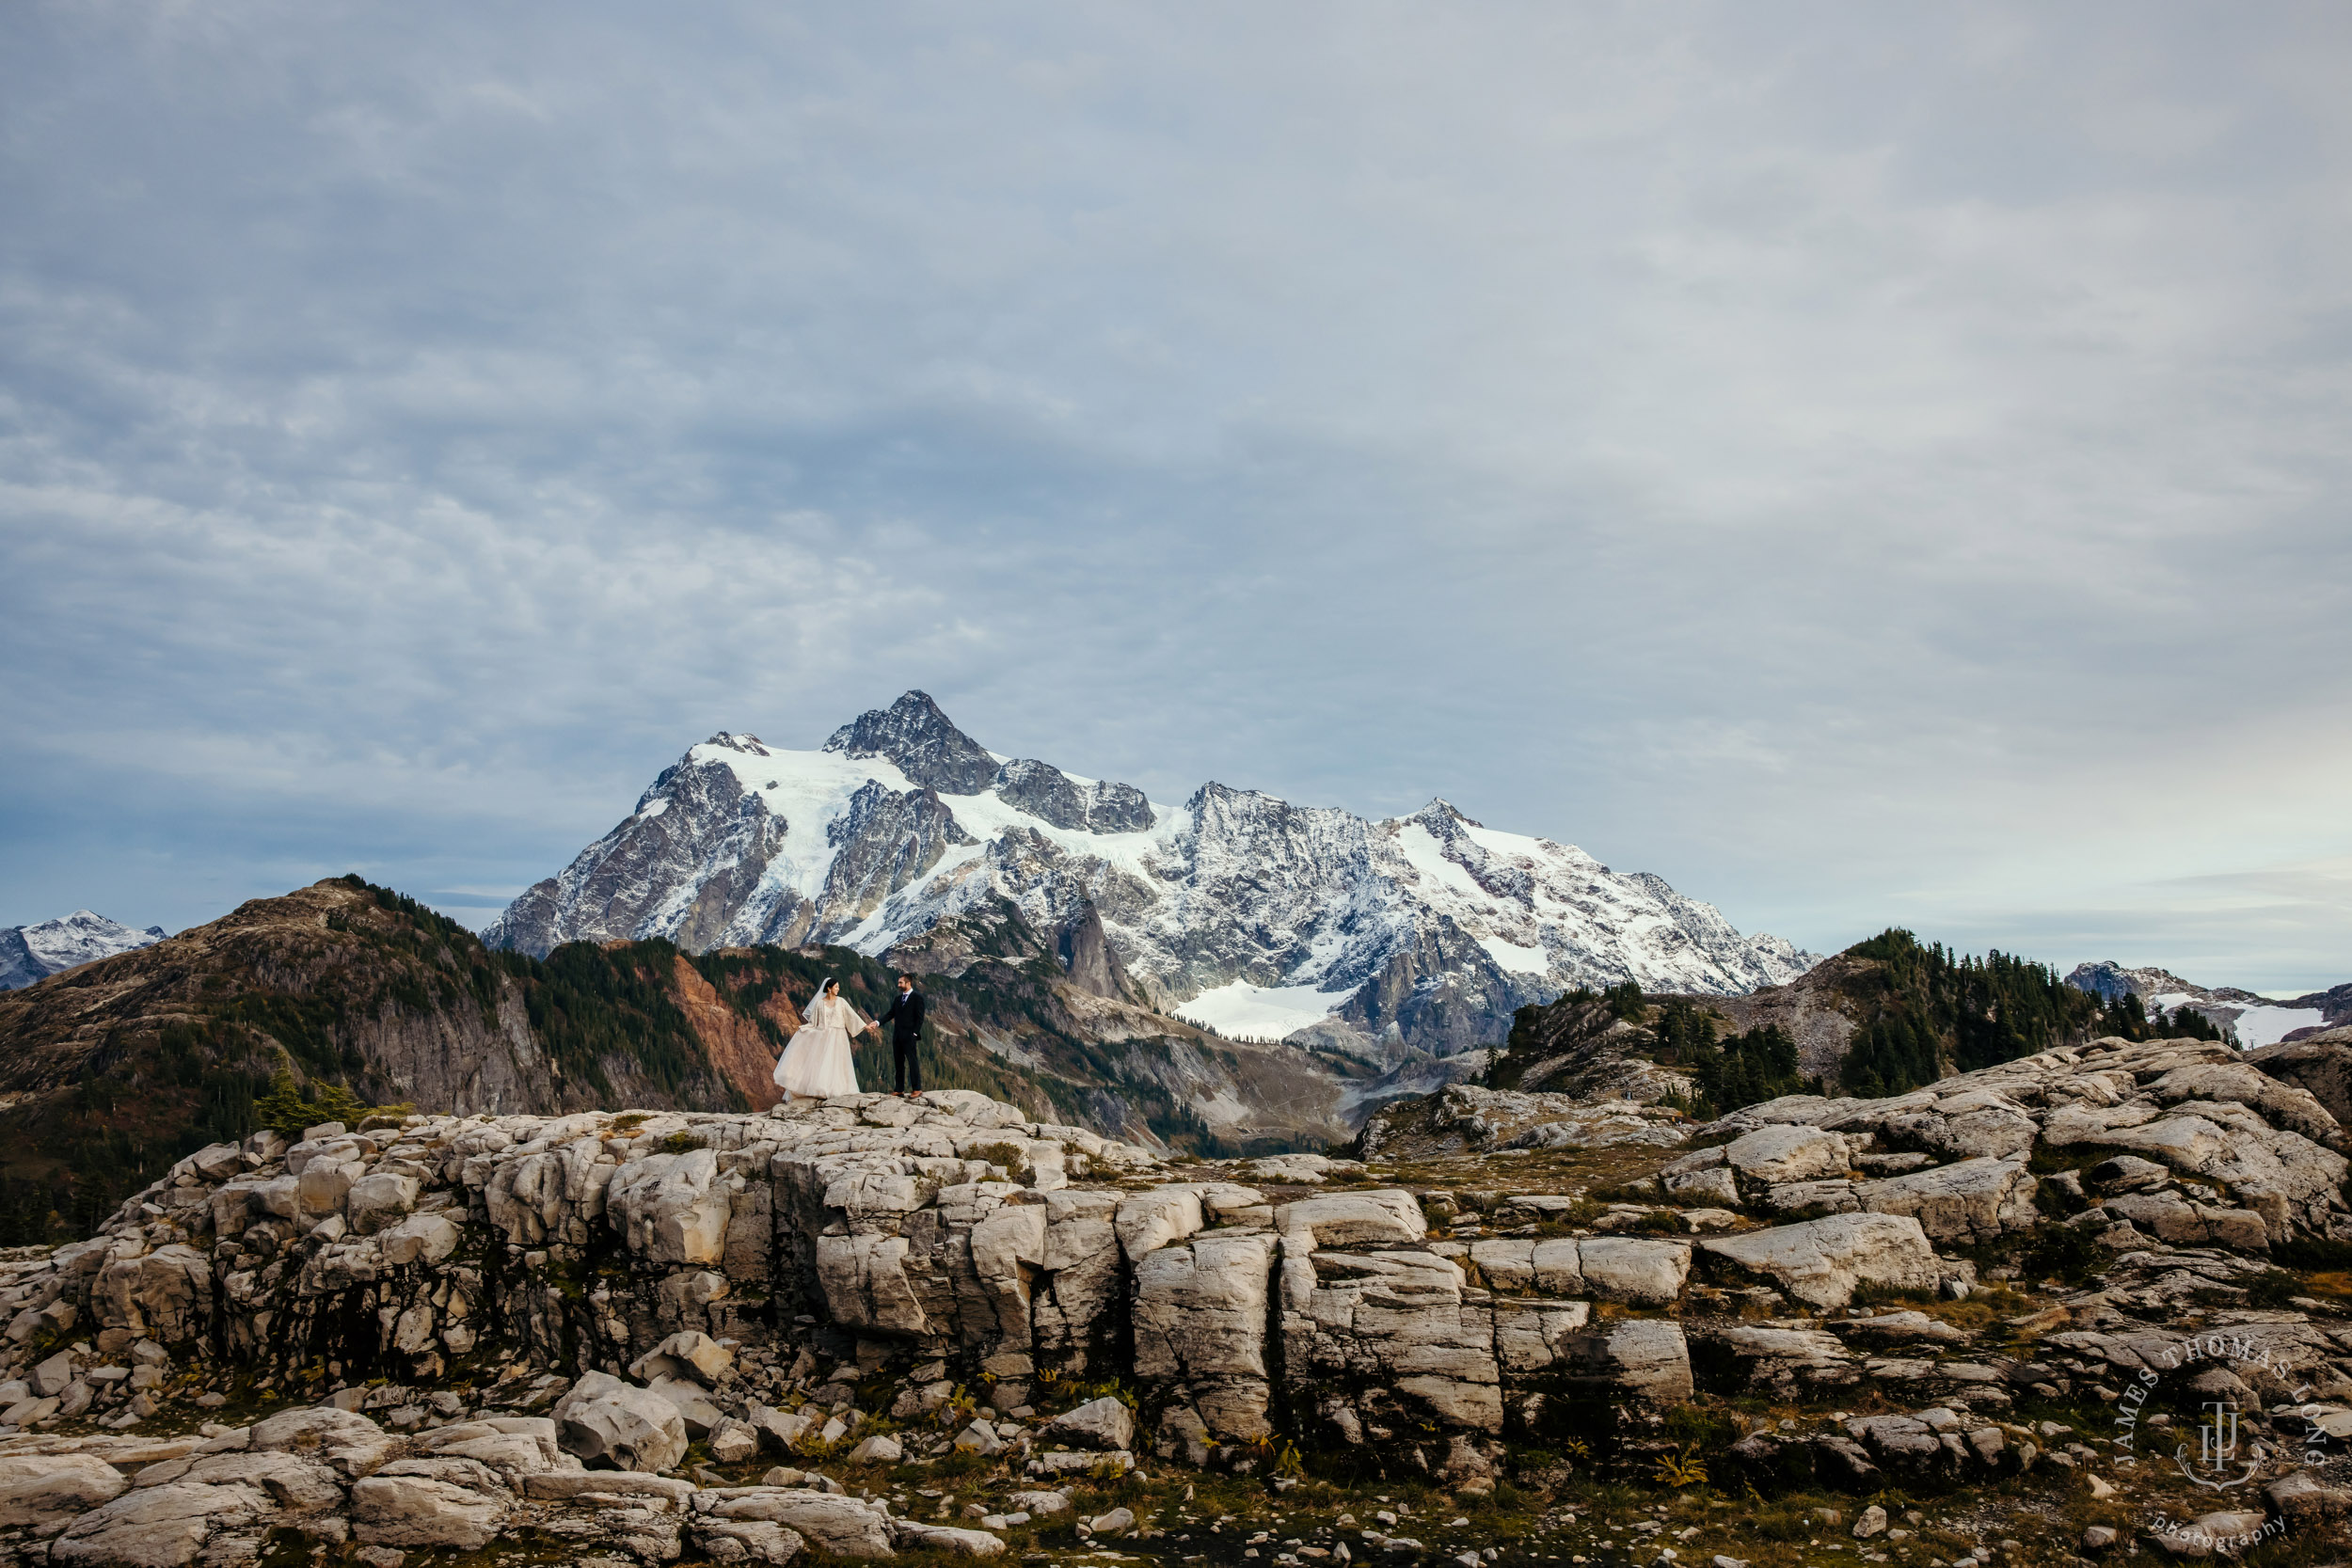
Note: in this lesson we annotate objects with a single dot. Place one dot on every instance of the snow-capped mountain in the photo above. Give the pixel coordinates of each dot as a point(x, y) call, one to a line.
point(31, 953)
point(2251, 1019)
point(1236, 910)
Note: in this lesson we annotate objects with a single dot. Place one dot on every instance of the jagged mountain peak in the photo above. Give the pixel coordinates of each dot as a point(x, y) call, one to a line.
point(921, 741)
point(1440, 810)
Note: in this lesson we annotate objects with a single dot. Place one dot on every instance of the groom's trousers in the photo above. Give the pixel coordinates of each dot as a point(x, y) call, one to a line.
point(907, 1067)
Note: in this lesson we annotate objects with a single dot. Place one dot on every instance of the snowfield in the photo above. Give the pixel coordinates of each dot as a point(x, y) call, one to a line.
point(2266, 1025)
point(1240, 1010)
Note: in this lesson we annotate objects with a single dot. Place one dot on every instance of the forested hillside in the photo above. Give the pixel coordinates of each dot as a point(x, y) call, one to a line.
point(1928, 1012)
point(1899, 1013)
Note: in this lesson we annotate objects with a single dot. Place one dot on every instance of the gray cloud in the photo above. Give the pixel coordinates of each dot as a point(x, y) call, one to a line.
point(1864, 466)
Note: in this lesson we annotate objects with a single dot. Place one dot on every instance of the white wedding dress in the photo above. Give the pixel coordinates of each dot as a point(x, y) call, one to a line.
point(817, 1061)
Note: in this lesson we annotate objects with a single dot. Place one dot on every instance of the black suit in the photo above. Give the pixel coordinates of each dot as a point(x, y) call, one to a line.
point(905, 1019)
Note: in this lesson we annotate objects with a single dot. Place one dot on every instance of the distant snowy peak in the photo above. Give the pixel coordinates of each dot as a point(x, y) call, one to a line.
point(2112, 981)
point(31, 953)
point(2251, 1019)
point(1254, 915)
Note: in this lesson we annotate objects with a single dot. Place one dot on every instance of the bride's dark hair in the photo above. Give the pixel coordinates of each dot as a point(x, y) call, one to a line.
point(829, 988)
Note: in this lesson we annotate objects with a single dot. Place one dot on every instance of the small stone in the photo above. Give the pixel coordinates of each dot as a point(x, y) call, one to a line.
point(881, 1448)
point(1873, 1521)
point(2098, 1537)
point(961, 1543)
point(733, 1441)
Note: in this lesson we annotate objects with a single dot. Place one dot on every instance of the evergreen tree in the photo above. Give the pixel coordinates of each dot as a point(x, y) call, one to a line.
point(1749, 1069)
point(1686, 1035)
point(1941, 1007)
point(1624, 1000)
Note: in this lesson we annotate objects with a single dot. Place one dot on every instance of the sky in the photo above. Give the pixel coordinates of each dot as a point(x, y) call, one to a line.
point(1868, 465)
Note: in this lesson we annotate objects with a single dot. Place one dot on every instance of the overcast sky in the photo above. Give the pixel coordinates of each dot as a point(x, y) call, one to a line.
point(1865, 464)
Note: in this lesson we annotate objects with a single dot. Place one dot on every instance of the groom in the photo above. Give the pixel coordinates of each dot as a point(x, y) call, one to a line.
point(905, 1019)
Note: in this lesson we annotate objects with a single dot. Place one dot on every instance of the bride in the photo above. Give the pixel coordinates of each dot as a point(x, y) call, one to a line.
point(817, 1061)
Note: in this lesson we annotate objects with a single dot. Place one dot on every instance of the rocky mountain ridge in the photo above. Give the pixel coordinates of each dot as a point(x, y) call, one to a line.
point(109, 1072)
point(1236, 909)
point(46, 947)
point(113, 1068)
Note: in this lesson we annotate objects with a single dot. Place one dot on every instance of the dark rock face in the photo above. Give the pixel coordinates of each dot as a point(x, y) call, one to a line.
point(884, 841)
point(1047, 793)
point(18, 967)
point(2334, 1003)
point(921, 742)
point(694, 828)
point(1093, 964)
point(1442, 992)
point(1118, 808)
point(1044, 791)
point(2321, 1064)
point(2105, 980)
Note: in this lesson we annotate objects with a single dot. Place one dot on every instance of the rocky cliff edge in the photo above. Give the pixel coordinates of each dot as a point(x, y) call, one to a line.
point(644, 1333)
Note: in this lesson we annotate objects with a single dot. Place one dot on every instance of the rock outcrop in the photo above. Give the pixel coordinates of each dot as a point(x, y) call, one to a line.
point(946, 1229)
point(609, 1289)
